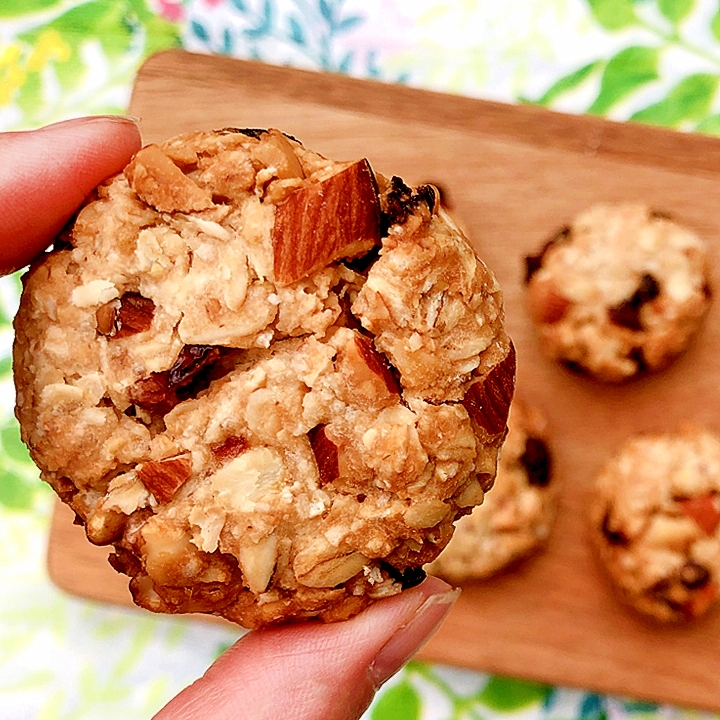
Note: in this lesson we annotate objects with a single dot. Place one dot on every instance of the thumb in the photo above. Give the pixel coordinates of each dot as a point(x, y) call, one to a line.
point(47, 173)
point(309, 671)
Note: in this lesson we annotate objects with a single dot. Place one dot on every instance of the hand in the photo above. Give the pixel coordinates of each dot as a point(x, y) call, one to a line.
point(46, 174)
point(303, 671)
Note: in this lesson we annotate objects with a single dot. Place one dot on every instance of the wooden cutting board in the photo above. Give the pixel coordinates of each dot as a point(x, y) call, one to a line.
point(513, 175)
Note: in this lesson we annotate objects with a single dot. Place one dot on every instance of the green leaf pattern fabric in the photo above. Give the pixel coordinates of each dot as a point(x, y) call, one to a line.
point(648, 61)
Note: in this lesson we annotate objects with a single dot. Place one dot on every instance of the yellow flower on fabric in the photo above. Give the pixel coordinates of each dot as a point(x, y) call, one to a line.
point(49, 46)
point(12, 74)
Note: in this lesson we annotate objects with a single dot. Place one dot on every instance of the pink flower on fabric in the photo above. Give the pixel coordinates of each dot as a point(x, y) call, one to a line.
point(172, 10)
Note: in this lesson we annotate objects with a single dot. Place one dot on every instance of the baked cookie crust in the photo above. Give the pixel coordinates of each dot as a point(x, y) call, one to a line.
point(269, 380)
point(619, 292)
point(656, 522)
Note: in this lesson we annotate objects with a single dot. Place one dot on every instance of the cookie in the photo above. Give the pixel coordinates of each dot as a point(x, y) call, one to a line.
point(516, 518)
point(619, 292)
point(656, 522)
point(271, 381)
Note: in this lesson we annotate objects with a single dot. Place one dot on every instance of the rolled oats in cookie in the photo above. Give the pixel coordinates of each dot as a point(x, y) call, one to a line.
point(656, 522)
point(619, 292)
point(271, 381)
point(516, 518)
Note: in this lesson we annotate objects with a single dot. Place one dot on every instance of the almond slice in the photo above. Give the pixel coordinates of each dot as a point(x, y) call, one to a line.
point(163, 185)
point(704, 510)
point(325, 221)
point(326, 455)
point(376, 363)
point(163, 478)
point(488, 400)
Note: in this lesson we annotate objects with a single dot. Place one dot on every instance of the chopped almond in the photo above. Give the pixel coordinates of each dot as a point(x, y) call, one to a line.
point(163, 478)
point(488, 400)
point(163, 185)
point(704, 510)
point(325, 221)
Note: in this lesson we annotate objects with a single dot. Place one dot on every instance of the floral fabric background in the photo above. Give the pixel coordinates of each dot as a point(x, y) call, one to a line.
point(653, 61)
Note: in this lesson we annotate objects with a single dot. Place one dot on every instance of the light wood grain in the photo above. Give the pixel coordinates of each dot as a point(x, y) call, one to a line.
point(515, 174)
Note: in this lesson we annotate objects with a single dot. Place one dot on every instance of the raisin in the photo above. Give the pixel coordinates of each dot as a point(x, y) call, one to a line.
point(189, 375)
point(191, 360)
point(614, 537)
point(536, 461)
point(638, 357)
point(574, 367)
point(534, 262)
point(627, 313)
point(408, 578)
point(256, 133)
point(400, 200)
point(693, 575)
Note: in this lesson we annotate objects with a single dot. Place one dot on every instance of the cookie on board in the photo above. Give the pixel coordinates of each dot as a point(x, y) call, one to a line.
point(656, 522)
point(619, 292)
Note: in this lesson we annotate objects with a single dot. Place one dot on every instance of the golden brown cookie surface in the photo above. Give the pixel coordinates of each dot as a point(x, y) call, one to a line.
point(271, 381)
point(656, 522)
point(619, 292)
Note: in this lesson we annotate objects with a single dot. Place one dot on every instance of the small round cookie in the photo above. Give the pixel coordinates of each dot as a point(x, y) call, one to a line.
point(516, 516)
point(270, 380)
point(619, 292)
point(656, 522)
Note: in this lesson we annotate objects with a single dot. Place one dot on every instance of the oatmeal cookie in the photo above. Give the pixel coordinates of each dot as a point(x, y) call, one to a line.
point(515, 519)
point(656, 522)
point(619, 292)
point(269, 380)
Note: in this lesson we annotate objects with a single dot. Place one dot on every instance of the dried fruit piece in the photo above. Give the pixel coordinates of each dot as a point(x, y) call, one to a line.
point(399, 201)
point(488, 400)
point(694, 575)
point(534, 262)
point(408, 578)
point(161, 391)
point(229, 448)
point(326, 454)
point(613, 536)
point(536, 461)
point(191, 360)
point(704, 510)
point(325, 221)
point(163, 478)
point(627, 313)
point(159, 182)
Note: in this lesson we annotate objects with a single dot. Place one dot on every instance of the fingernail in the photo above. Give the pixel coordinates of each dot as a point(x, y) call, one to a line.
point(412, 636)
point(94, 118)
